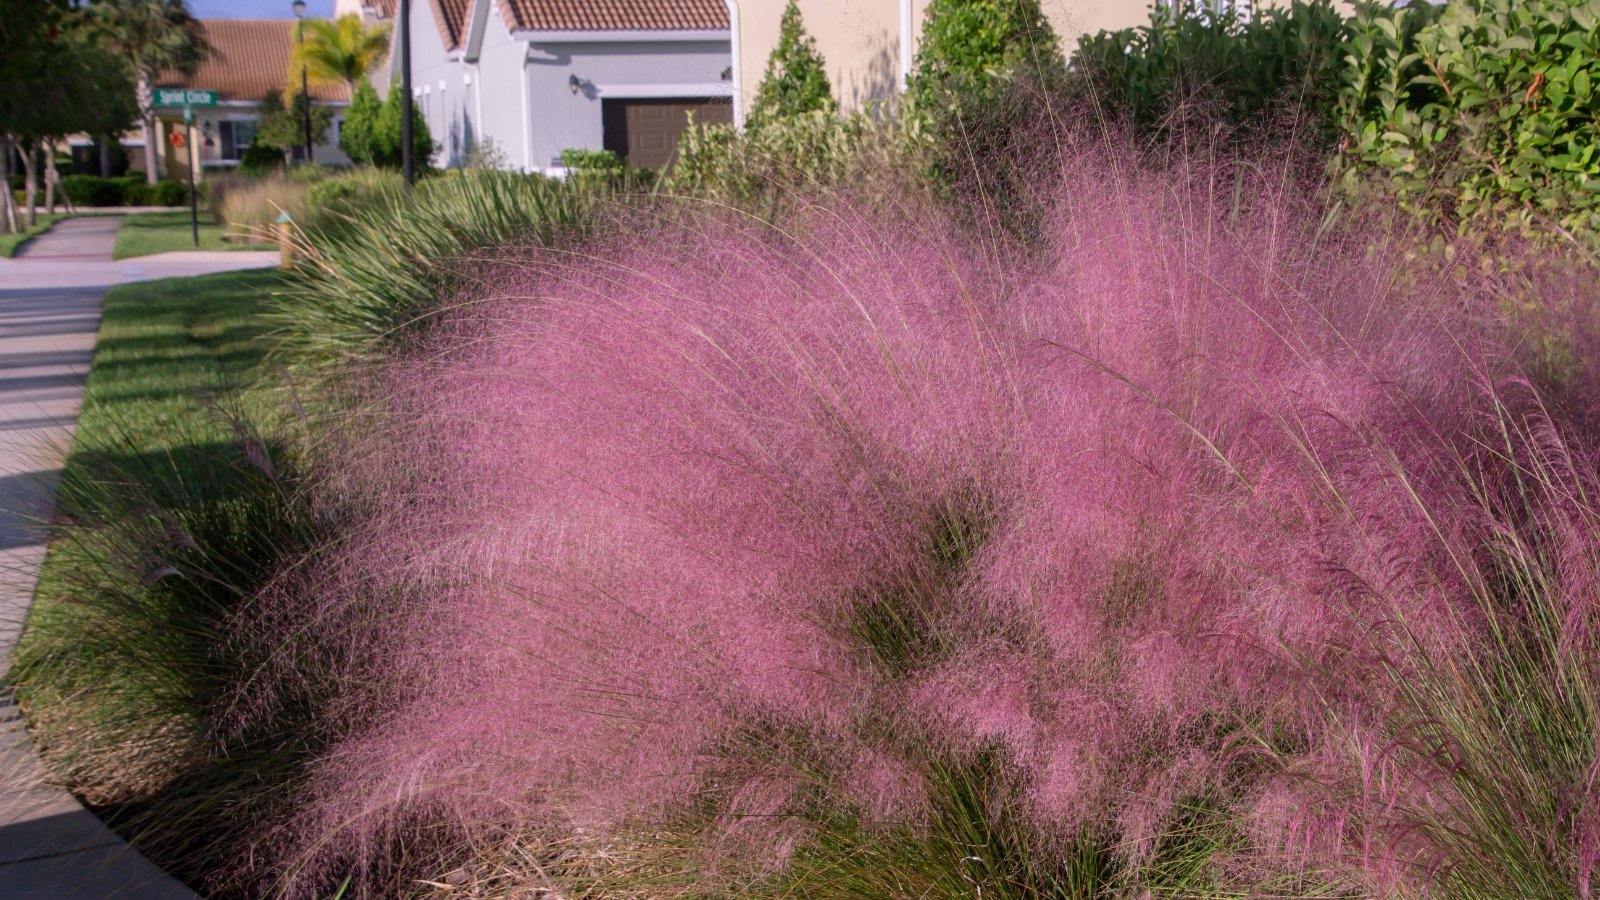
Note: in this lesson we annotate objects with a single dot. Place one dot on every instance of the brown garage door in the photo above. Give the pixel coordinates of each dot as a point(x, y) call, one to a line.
point(645, 132)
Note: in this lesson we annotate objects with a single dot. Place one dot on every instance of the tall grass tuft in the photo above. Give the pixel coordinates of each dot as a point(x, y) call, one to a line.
point(181, 501)
point(1197, 548)
point(248, 205)
point(373, 276)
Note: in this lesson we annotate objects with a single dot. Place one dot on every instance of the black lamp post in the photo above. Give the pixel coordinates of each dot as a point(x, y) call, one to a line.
point(407, 165)
point(305, 92)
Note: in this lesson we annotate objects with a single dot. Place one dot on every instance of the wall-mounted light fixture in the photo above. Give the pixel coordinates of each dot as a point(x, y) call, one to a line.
point(574, 82)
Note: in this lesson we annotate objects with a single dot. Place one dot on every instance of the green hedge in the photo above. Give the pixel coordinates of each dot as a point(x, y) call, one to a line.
point(1480, 110)
point(1218, 64)
point(128, 190)
point(1470, 113)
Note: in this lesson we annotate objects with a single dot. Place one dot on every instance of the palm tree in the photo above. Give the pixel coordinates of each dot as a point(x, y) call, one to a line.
point(155, 36)
point(344, 49)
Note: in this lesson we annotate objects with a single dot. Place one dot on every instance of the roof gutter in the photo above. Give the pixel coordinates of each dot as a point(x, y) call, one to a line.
point(628, 36)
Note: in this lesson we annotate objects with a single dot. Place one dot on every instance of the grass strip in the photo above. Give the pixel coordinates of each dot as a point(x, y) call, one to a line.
point(10, 243)
point(142, 234)
point(173, 510)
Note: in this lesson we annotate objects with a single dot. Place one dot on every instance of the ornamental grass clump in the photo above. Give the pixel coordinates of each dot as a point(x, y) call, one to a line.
point(1195, 554)
point(377, 260)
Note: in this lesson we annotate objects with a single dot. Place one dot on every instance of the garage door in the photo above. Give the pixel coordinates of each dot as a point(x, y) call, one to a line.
point(645, 132)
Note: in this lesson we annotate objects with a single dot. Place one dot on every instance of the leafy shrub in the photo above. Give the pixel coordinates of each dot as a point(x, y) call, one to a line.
point(387, 135)
point(92, 190)
point(349, 192)
point(1481, 109)
point(795, 81)
point(358, 136)
point(984, 100)
point(966, 44)
point(169, 193)
point(486, 154)
point(127, 190)
point(1188, 56)
point(592, 160)
point(282, 122)
point(259, 159)
point(757, 168)
point(969, 50)
point(138, 192)
point(594, 168)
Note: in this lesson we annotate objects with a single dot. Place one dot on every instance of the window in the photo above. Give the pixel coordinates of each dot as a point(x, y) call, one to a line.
point(236, 136)
point(1214, 8)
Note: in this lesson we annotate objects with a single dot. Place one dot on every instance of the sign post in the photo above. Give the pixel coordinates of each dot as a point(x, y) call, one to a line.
point(188, 99)
point(194, 208)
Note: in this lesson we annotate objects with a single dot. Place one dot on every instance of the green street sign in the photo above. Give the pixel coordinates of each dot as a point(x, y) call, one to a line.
point(165, 97)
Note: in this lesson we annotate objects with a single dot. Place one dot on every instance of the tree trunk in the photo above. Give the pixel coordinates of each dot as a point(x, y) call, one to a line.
point(105, 155)
point(8, 201)
point(51, 176)
point(147, 106)
point(30, 182)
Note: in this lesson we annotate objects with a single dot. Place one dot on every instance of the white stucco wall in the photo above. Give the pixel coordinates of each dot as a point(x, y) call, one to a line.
point(435, 82)
point(208, 159)
point(503, 80)
point(500, 87)
point(562, 119)
point(860, 40)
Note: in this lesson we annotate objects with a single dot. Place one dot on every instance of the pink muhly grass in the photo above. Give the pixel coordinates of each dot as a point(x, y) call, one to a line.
point(775, 529)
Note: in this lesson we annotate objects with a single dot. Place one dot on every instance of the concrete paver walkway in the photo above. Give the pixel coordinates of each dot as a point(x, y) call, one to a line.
point(50, 295)
point(88, 238)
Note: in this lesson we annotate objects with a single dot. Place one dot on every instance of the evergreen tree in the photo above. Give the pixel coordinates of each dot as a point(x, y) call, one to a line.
point(970, 47)
point(387, 137)
point(981, 90)
point(360, 133)
point(795, 81)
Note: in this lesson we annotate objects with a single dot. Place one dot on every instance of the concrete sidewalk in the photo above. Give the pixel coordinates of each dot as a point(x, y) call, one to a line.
point(50, 297)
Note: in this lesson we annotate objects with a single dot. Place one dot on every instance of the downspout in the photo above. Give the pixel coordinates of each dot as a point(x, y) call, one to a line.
point(905, 43)
point(738, 70)
point(527, 123)
point(477, 94)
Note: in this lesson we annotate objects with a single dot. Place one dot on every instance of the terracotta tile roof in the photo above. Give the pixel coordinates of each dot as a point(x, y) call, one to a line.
point(249, 57)
point(451, 15)
point(615, 15)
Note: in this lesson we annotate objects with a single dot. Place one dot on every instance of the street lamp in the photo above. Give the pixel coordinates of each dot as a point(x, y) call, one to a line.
point(407, 164)
point(305, 92)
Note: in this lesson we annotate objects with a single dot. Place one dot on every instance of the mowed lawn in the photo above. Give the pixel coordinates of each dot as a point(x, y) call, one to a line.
point(142, 234)
point(175, 368)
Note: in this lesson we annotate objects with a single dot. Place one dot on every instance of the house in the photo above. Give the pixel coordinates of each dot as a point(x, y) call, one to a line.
point(870, 45)
point(536, 77)
point(249, 59)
